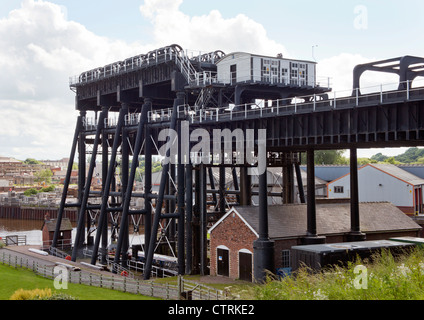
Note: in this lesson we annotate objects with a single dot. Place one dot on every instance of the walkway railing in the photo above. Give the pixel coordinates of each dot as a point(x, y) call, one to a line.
point(121, 283)
point(377, 95)
point(301, 104)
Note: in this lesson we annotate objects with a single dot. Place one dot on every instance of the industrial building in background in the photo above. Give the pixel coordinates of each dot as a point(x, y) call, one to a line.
point(133, 110)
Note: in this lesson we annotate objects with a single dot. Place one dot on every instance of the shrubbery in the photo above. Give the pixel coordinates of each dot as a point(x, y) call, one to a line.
point(387, 278)
point(39, 294)
point(33, 191)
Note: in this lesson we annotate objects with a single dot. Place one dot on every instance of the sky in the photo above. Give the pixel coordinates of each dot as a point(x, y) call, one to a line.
point(43, 43)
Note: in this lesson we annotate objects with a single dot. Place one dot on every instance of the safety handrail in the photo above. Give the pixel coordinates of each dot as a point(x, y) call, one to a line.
point(298, 104)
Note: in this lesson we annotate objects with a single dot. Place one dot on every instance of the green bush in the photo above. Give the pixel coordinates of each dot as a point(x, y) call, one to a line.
point(30, 192)
point(47, 189)
point(34, 191)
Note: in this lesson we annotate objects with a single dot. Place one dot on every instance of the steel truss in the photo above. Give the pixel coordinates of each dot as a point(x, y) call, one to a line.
point(147, 85)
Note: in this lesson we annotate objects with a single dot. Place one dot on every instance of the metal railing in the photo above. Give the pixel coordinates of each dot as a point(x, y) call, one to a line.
point(373, 95)
point(304, 104)
point(14, 240)
point(120, 283)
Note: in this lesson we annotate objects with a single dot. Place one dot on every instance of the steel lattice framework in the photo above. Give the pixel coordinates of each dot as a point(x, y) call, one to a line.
point(134, 100)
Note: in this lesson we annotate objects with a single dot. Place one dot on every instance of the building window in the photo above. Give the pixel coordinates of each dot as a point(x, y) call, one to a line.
point(339, 189)
point(285, 262)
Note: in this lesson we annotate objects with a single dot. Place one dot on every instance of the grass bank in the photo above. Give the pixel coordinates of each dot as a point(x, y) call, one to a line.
point(12, 279)
point(387, 277)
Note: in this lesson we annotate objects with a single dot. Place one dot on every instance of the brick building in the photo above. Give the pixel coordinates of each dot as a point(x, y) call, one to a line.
point(232, 237)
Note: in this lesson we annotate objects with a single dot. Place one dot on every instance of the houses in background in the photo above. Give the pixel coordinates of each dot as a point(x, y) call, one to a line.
point(383, 182)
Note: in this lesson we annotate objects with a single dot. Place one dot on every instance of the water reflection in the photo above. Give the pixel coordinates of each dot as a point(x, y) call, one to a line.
point(32, 230)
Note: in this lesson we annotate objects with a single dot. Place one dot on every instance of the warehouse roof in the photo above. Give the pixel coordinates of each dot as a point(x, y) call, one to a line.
point(399, 173)
point(289, 221)
point(66, 225)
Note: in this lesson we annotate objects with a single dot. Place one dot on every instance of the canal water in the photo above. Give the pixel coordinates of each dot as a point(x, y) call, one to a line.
point(32, 230)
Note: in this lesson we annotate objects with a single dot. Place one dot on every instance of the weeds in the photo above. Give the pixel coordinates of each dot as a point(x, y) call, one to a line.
point(382, 277)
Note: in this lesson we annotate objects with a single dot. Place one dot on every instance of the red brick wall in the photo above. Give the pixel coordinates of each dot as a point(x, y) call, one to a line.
point(234, 234)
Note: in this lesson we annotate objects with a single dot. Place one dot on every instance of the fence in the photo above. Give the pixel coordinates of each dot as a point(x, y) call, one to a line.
point(14, 240)
point(183, 290)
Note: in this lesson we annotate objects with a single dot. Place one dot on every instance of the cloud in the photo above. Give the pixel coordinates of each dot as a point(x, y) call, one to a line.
point(39, 50)
point(207, 32)
point(340, 71)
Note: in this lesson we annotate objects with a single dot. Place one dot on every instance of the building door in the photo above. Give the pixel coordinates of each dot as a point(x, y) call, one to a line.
point(222, 262)
point(233, 71)
point(245, 266)
point(418, 198)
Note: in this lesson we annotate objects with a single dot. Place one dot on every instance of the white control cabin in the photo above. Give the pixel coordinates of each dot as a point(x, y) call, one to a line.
point(240, 67)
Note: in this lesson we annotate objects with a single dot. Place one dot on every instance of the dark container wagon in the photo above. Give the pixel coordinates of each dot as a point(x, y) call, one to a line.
point(319, 256)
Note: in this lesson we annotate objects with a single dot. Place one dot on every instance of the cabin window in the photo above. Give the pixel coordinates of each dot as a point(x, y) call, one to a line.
point(338, 189)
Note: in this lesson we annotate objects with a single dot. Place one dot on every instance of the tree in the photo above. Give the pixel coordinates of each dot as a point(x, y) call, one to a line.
point(43, 176)
point(379, 157)
point(32, 161)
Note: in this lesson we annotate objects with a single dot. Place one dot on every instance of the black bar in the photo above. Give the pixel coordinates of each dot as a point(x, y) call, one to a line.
point(300, 183)
point(169, 215)
point(203, 219)
point(147, 184)
point(212, 184)
point(263, 247)
point(149, 256)
point(181, 207)
point(130, 182)
point(66, 182)
point(189, 218)
point(236, 184)
point(124, 227)
point(355, 229)
point(79, 235)
point(110, 175)
point(81, 176)
point(105, 163)
point(263, 206)
point(222, 199)
point(311, 204)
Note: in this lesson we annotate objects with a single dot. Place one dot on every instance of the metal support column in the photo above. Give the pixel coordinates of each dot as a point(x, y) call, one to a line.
point(82, 158)
point(203, 218)
point(164, 178)
point(181, 206)
point(222, 194)
point(189, 218)
point(79, 239)
point(300, 183)
point(123, 234)
point(245, 187)
point(109, 178)
point(125, 154)
point(148, 183)
point(263, 247)
point(67, 181)
point(312, 237)
point(105, 162)
point(355, 229)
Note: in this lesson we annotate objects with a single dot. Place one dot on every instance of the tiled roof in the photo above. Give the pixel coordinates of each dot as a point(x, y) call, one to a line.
point(291, 220)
